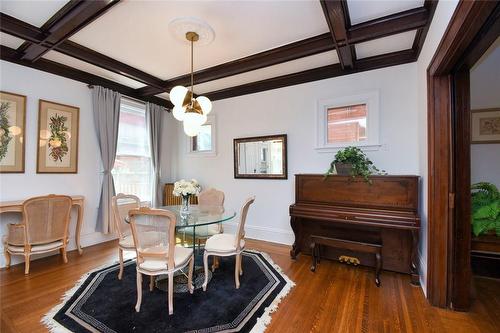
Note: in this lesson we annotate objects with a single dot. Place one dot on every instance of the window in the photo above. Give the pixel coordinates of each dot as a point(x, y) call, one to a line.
point(348, 121)
point(346, 124)
point(204, 143)
point(132, 172)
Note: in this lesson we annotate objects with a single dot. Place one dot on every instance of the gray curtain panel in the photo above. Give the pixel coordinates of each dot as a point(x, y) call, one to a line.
point(154, 120)
point(106, 109)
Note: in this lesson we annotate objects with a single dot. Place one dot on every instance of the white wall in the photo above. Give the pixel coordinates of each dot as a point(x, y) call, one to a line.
point(40, 85)
point(484, 83)
point(442, 16)
point(291, 110)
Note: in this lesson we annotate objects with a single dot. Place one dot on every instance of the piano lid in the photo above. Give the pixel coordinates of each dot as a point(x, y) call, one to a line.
point(384, 192)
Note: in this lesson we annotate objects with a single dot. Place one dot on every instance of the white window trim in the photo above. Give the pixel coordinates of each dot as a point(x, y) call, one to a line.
point(207, 153)
point(371, 99)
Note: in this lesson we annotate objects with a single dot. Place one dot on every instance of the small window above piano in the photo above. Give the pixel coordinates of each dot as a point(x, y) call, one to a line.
point(348, 121)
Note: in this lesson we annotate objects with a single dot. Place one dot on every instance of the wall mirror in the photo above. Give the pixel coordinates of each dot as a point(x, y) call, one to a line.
point(262, 157)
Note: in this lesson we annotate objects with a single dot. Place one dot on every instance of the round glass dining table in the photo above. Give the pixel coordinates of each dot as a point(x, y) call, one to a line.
point(189, 227)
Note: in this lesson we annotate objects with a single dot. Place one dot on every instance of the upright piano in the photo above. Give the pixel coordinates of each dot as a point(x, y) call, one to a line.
point(382, 211)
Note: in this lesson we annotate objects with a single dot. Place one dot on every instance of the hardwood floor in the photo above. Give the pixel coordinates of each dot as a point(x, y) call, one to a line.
point(336, 298)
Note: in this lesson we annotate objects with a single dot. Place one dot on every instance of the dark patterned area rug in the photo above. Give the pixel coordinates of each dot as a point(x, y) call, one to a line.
point(102, 303)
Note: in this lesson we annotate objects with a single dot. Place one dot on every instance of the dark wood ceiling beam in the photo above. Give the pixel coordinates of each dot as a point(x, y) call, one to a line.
point(20, 29)
point(77, 14)
point(335, 14)
point(418, 43)
point(11, 55)
point(389, 25)
point(325, 72)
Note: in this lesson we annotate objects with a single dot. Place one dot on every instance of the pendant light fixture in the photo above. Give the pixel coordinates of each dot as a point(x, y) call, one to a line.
point(191, 110)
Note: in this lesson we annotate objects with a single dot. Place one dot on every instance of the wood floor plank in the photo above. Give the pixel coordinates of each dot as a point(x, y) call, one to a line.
point(335, 298)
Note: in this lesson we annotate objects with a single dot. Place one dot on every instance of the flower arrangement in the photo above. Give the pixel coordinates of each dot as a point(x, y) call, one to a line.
point(185, 188)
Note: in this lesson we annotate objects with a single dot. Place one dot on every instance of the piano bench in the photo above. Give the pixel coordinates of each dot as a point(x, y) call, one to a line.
point(376, 249)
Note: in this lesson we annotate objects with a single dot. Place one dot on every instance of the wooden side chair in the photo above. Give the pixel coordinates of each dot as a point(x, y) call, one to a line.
point(153, 231)
point(44, 228)
point(210, 198)
point(122, 204)
point(225, 244)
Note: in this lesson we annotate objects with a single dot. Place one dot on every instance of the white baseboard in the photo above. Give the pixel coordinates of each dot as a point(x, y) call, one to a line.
point(86, 240)
point(274, 235)
point(422, 270)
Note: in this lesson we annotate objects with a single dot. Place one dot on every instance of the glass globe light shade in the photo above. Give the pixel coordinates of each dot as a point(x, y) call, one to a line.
point(205, 104)
point(205, 118)
point(177, 95)
point(178, 112)
point(190, 129)
point(193, 119)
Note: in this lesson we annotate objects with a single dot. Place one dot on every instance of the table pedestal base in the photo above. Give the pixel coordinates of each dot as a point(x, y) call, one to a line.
point(180, 280)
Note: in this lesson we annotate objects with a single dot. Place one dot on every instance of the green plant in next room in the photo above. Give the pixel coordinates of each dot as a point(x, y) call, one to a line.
point(360, 164)
point(485, 208)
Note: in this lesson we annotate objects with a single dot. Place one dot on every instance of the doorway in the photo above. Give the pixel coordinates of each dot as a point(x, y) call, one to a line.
point(473, 28)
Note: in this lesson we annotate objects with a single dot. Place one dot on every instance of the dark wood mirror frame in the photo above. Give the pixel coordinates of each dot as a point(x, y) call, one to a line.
point(283, 175)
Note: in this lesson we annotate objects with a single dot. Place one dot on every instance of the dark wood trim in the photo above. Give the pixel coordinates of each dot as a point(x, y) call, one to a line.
point(335, 14)
point(418, 43)
point(359, 33)
point(20, 29)
point(73, 17)
point(449, 166)
point(320, 73)
point(53, 67)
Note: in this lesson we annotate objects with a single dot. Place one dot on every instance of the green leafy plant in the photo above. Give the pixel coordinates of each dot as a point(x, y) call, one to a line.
point(58, 141)
point(360, 163)
point(485, 208)
point(5, 136)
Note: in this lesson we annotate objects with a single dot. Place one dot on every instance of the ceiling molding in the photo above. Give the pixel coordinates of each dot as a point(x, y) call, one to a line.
point(335, 15)
point(325, 72)
point(418, 43)
point(20, 29)
point(11, 55)
point(70, 19)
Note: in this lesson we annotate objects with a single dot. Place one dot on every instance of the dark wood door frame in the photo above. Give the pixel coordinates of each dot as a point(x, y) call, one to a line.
point(472, 29)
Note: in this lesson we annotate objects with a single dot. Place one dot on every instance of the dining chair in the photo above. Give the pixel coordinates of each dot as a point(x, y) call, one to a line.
point(225, 244)
point(44, 228)
point(153, 231)
point(121, 205)
point(210, 198)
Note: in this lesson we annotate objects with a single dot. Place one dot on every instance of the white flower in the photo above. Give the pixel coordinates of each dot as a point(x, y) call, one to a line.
point(186, 187)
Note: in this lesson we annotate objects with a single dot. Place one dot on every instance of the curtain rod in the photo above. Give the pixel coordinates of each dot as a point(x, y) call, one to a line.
point(90, 86)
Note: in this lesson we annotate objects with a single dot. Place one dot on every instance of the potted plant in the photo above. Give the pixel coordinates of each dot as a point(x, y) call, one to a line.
point(352, 161)
point(485, 209)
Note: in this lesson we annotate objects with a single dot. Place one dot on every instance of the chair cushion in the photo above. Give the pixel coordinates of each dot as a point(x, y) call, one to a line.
point(181, 256)
point(205, 232)
point(36, 248)
point(222, 243)
point(127, 242)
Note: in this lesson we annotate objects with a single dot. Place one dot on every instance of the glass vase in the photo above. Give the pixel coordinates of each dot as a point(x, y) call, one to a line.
point(185, 205)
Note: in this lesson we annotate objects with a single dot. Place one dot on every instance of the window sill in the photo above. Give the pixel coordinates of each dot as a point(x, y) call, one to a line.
point(333, 149)
point(202, 154)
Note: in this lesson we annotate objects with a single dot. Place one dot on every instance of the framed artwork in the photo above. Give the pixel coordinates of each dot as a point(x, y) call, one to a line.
point(12, 128)
point(485, 126)
point(57, 138)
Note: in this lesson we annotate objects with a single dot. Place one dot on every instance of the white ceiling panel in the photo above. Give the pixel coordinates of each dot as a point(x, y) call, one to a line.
point(84, 66)
point(365, 10)
point(35, 12)
point(163, 95)
point(318, 60)
point(10, 41)
point(384, 45)
point(137, 32)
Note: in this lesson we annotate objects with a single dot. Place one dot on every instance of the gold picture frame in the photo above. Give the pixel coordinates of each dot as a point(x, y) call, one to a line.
point(485, 126)
point(58, 131)
point(12, 132)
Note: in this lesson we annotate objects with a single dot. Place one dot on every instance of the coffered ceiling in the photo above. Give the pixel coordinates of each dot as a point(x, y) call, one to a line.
point(126, 45)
